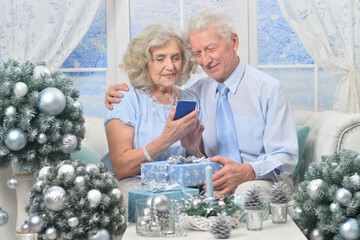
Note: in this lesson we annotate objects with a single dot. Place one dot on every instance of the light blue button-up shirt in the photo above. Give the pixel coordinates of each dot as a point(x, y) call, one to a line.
point(264, 122)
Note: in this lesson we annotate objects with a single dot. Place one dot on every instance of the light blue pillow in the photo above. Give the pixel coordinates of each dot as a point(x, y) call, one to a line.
point(87, 155)
point(302, 133)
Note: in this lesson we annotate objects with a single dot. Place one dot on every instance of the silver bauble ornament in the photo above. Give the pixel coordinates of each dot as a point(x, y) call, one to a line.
point(10, 111)
point(222, 205)
point(147, 214)
point(54, 198)
point(122, 220)
point(94, 196)
point(51, 233)
point(355, 180)
point(4, 217)
point(69, 143)
point(298, 210)
point(313, 188)
point(91, 167)
point(41, 71)
point(73, 222)
point(44, 172)
point(52, 101)
point(116, 192)
point(42, 138)
point(12, 183)
point(315, 234)
point(79, 181)
point(343, 196)
point(25, 228)
point(149, 202)
point(196, 203)
point(142, 225)
point(102, 234)
point(20, 89)
point(66, 170)
point(161, 203)
point(334, 207)
point(78, 105)
point(39, 185)
point(155, 226)
point(35, 223)
point(350, 229)
point(15, 139)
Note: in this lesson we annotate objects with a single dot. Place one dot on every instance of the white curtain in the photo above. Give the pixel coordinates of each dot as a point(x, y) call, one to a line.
point(46, 30)
point(330, 32)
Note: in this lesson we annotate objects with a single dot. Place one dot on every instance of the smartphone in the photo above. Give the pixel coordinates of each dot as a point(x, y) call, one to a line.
point(183, 108)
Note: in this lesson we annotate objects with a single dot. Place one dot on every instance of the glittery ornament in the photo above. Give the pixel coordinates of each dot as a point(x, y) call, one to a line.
point(66, 170)
point(40, 71)
point(79, 181)
point(334, 207)
point(91, 167)
point(350, 229)
point(94, 196)
point(315, 234)
point(313, 188)
point(51, 233)
point(20, 89)
point(161, 202)
point(9, 111)
point(101, 234)
point(25, 228)
point(35, 223)
point(44, 172)
point(73, 222)
point(196, 203)
point(69, 143)
point(52, 101)
point(4, 217)
point(15, 139)
point(42, 138)
point(343, 196)
point(12, 183)
point(54, 198)
point(116, 192)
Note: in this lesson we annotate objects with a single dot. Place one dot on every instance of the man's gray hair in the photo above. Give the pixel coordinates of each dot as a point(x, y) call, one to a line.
point(211, 18)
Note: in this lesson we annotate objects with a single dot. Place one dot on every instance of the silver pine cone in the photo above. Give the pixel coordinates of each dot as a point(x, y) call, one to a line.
point(253, 199)
point(221, 228)
point(279, 193)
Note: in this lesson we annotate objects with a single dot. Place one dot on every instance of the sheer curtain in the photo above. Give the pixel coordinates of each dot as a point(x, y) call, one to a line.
point(330, 32)
point(43, 30)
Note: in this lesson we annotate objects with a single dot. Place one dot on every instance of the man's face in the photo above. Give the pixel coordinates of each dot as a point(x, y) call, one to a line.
point(216, 56)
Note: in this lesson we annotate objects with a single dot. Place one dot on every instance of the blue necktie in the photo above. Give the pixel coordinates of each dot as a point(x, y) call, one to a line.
point(227, 143)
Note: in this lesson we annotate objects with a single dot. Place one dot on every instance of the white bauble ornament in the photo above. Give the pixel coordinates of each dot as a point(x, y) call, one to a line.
point(35, 223)
point(102, 234)
point(222, 204)
point(78, 105)
point(41, 71)
point(54, 198)
point(51, 233)
point(39, 185)
point(69, 143)
point(334, 207)
point(91, 167)
point(73, 222)
point(16, 139)
point(196, 203)
point(313, 188)
point(52, 101)
point(298, 210)
point(42, 138)
point(79, 181)
point(161, 203)
point(44, 172)
point(355, 180)
point(12, 183)
point(94, 196)
point(315, 234)
point(4, 217)
point(116, 192)
point(66, 170)
point(25, 228)
point(350, 229)
point(10, 111)
point(343, 196)
point(20, 89)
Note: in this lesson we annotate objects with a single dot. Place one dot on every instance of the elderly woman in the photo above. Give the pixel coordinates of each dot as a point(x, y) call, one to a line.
point(141, 128)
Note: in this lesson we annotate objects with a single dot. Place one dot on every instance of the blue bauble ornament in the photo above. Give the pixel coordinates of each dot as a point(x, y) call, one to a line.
point(4, 217)
point(350, 229)
point(16, 139)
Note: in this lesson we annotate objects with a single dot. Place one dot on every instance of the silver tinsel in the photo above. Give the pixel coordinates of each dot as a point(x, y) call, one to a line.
point(69, 143)
point(16, 139)
point(52, 101)
point(4, 217)
point(12, 183)
point(54, 198)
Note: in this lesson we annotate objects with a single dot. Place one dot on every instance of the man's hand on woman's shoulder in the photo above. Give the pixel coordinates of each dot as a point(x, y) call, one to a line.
point(113, 96)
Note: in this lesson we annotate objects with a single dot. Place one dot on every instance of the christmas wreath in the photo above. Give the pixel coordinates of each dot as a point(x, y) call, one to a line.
point(40, 117)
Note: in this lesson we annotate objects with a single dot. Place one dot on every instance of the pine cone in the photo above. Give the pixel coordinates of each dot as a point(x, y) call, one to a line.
point(221, 228)
point(253, 200)
point(279, 193)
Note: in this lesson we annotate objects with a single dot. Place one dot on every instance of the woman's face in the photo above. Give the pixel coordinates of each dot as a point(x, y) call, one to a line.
point(165, 64)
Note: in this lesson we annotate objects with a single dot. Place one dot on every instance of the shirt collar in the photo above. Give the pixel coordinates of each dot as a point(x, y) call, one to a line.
point(233, 81)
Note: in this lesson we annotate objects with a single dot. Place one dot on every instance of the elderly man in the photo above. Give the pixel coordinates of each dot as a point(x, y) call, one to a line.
point(249, 127)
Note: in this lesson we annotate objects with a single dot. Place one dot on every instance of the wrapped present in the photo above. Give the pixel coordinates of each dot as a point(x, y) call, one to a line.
point(178, 172)
point(175, 194)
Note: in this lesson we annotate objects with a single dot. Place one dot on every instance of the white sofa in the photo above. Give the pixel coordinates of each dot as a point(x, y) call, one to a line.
point(329, 131)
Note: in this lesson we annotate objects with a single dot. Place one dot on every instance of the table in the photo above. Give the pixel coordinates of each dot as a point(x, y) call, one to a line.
point(270, 231)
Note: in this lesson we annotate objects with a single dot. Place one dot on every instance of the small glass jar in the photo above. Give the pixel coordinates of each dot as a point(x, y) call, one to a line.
point(153, 222)
point(254, 219)
point(279, 212)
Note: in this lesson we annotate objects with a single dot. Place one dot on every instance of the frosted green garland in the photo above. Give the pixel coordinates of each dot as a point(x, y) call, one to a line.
point(336, 171)
point(32, 121)
point(109, 214)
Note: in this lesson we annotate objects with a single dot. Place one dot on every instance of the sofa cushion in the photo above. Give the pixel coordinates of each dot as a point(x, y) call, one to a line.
point(87, 155)
point(302, 133)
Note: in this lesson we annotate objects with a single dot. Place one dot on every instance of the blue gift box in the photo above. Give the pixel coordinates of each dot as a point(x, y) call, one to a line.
point(185, 174)
point(143, 194)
